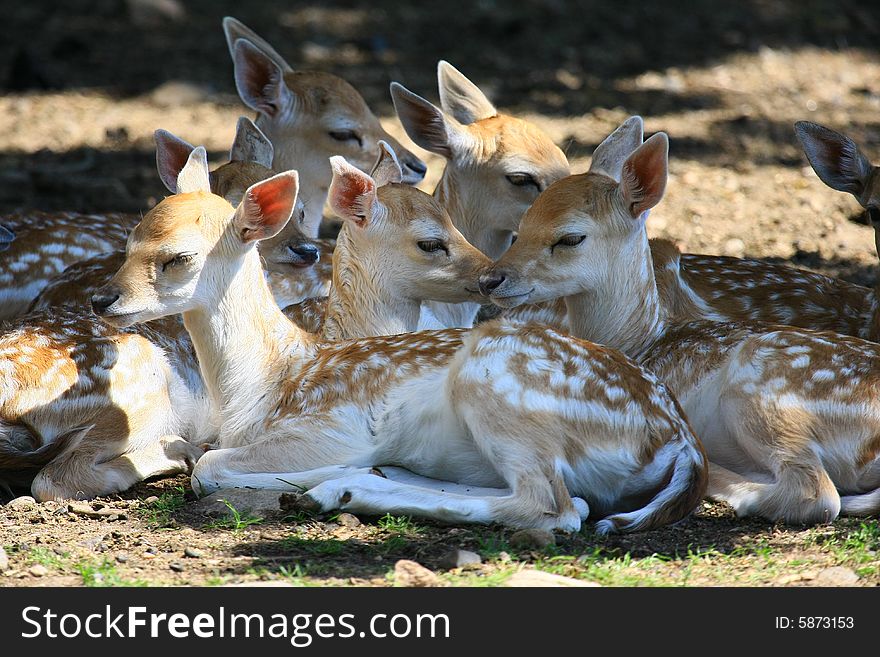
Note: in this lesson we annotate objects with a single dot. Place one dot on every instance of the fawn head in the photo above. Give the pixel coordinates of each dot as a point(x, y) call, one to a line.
point(496, 164)
point(572, 238)
point(186, 250)
point(402, 233)
point(308, 115)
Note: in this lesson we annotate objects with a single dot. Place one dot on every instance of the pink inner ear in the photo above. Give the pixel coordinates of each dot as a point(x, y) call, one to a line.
point(644, 179)
point(171, 156)
point(275, 198)
point(349, 192)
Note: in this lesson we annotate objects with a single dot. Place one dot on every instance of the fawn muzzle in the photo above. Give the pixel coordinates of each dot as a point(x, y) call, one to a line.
point(103, 299)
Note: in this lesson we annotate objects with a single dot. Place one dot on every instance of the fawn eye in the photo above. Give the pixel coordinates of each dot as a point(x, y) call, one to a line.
point(522, 180)
point(179, 259)
point(346, 135)
point(432, 246)
point(568, 240)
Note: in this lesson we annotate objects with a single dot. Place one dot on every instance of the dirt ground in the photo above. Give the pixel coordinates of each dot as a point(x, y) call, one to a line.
point(85, 84)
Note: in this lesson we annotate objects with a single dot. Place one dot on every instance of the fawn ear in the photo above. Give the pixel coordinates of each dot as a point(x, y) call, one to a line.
point(387, 168)
point(834, 157)
point(235, 30)
point(266, 207)
point(615, 148)
point(643, 176)
point(194, 176)
point(427, 125)
point(171, 156)
point(352, 193)
point(251, 145)
point(460, 97)
point(259, 80)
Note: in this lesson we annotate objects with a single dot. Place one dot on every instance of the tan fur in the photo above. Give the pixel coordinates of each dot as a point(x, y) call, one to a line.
point(789, 417)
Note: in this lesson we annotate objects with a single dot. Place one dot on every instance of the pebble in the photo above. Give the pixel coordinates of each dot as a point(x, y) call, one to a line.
point(734, 247)
point(122, 557)
point(38, 571)
point(457, 558)
point(348, 520)
point(532, 539)
point(4, 560)
point(176, 567)
point(193, 553)
point(23, 502)
point(152, 499)
point(411, 574)
point(837, 576)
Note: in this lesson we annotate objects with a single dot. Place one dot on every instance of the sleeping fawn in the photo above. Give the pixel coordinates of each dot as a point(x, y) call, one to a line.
point(789, 418)
point(512, 421)
point(496, 165)
point(308, 116)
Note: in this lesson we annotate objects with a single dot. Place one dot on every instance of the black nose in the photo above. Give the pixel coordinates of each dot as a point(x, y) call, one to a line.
point(307, 253)
point(489, 282)
point(103, 300)
point(416, 165)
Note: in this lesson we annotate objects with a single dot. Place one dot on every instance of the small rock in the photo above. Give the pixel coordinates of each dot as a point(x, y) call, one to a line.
point(836, 576)
point(457, 558)
point(348, 520)
point(248, 502)
point(87, 510)
point(4, 560)
point(38, 571)
point(176, 567)
point(411, 574)
point(122, 557)
point(152, 499)
point(193, 553)
point(533, 578)
point(151, 550)
point(734, 247)
point(527, 539)
point(23, 502)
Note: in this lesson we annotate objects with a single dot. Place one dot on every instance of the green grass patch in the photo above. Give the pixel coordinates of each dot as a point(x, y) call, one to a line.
point(237, 522)
point(100, 574)
point(158, 513)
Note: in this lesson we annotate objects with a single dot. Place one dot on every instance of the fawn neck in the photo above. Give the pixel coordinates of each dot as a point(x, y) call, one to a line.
point(625, 310)
point(243, 341)
point(360, 302)
point(471, 212)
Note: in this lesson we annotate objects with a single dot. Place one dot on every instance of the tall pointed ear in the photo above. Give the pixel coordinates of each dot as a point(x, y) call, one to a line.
point(427, 125)
point(834, 157)
point(460, 97)
point(171, 156)
point(387, 169)
point(251, 145)
point(643, 176)
point(235, 30)
point(352, 193)
point(194, 176)
point(266, 207)
point(259, 80)
point(609, 156)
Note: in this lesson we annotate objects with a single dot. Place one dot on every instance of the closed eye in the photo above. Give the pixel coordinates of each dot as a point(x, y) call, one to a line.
point(179, 259)
point(432, 246)
point(346, 135)
point(568, 240)
point(523, 180)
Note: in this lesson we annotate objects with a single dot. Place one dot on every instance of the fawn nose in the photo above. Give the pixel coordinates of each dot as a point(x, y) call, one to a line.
point(101, 301)
point(305, 253)
point(489, 282)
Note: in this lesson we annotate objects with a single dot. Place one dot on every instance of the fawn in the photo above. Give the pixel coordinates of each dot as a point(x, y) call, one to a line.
point(496, 165)
point(511, 420)
point(789, 417)
point(297, 267)
point(841, 165)
point(308, 116)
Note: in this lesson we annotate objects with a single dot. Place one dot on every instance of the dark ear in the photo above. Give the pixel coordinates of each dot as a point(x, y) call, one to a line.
point(643, 176)
point(834, 157)
point(251, 145)
point(609, 155)
point(266, 207)
point(387, 168)
point(171, 156)
point(352, 193)
point(259, 80)
point(194, 176)
point(235, 30)
point(427, 125)
point(460, 97)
